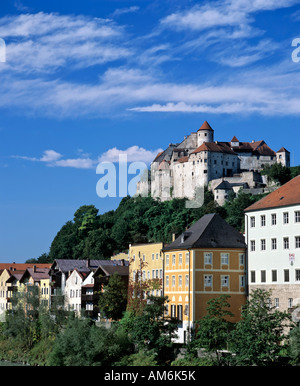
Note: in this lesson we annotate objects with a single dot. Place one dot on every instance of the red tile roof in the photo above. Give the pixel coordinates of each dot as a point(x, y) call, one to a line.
point(21, 266)
point(287, 194)
point(205, 126)
point(219, 147)
point(282, 150)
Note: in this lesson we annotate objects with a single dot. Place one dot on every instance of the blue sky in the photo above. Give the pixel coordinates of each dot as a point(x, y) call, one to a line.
point(86, 80)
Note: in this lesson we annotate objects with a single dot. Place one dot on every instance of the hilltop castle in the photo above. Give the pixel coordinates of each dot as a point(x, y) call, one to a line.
point(200, 161)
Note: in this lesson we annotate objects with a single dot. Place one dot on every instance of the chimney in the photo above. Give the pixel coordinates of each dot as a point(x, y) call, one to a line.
point(34, 268)
point(88, 263)
point(173, 236)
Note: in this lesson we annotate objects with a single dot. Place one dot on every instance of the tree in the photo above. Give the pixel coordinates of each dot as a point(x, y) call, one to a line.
point(151, 332)
point(277, 173)
point(294, 345)
point(113, 300)
point(260, 334)
point(213, 329)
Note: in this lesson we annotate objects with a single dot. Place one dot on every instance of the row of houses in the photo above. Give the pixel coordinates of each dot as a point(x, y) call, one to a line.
point(77, 282)
point(207, 260)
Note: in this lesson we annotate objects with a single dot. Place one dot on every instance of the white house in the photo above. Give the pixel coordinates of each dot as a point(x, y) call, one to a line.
point(272, 230)
point(72, 290)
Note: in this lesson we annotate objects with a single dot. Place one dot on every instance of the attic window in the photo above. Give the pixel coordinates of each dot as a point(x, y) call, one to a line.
point(184, 236)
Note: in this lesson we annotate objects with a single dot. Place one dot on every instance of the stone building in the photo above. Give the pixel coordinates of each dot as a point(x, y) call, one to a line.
point(198, 160)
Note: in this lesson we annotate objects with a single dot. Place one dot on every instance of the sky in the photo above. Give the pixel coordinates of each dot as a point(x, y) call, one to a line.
point(84, 81)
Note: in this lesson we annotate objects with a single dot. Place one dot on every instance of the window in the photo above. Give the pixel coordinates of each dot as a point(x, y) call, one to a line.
point(187, 258)
point(180, 258)
point(286, 243)
point(286, 275)
point(160, 273)
point(180, 281)
point(207, 280)
point(274, 275)
point(224, 258)
point(242, 258)
point(173, 281)
point(252, 276)
point(173, 259)
point(157, 256)
point(263, 276)
point(225, 281)
point(273, 217)
point(297, 241)
point(286, 218)
point(207, 258)
point(186, 280)
point(252, 245)
point(263, 244)
point(242, 281)
point(276, 302)
point(167, 259)
point(252, 222)
point(153, 273)
point(297, 216)
point(179, 312)
point(290, 302)
point(152, 256)
point(274, 244)
point(173, 310)
point(167, 281)
point(297, 271)
point(263, 220)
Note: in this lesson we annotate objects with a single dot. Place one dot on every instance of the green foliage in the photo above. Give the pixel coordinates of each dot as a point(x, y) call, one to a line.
point(213, 329)
point(294, 345)
point(141, 358)
point(235, 207)
point(192, 360)
point(152, 332)
point(113, 300)
point(84, 344)
point(277, 173)
point(259, 337)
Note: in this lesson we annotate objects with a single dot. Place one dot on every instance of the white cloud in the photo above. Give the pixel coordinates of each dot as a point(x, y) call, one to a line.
point(133, 153)
point(54, 159)
point(229, 13)
point(122, 11)
point(45, 42)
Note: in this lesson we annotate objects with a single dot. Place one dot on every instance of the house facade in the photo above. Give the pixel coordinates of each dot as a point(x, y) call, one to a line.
point(146, 263)
point(206, 261)
point(273, 236)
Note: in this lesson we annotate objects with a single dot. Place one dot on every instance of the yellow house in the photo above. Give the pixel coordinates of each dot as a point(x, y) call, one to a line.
point(204, 262)
point(146, 264)
point(120, 256)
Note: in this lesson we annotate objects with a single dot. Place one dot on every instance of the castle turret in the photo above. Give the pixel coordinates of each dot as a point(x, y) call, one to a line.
point(205, 134)
point(283, 157)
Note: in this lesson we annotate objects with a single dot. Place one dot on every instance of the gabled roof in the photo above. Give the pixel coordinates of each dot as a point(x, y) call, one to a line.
point(219, 147)
point(234, 139)
point(211, 231)
point(110, 270)
point(282, 150)
point(183, 159)
point(205, 126)
point(37, 273)
point(66, 265)
point(287, 194)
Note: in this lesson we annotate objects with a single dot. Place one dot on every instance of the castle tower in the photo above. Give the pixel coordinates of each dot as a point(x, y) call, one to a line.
point(283, 157)
point(205, 134)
